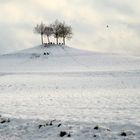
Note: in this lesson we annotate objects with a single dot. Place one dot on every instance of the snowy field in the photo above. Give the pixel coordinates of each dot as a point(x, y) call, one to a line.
point(69, 94)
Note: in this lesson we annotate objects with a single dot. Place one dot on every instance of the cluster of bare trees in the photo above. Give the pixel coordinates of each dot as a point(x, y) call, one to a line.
point(57, 30)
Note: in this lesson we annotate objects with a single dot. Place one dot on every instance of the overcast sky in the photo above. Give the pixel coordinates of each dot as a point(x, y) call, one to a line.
point(89, 19)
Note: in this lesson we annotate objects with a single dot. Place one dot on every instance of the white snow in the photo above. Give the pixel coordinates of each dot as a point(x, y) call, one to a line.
point(78, 89)
point(65, 59)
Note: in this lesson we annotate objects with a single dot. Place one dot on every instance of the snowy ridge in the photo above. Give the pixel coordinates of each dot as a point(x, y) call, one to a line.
point(65, 59)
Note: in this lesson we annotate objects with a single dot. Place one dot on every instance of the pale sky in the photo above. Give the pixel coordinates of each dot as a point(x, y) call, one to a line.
point(88, 18)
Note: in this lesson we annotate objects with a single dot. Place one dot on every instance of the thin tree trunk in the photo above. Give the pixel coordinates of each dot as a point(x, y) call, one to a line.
point(64, 40)
point(57, 40)
point(48, 39)
point(42, 39)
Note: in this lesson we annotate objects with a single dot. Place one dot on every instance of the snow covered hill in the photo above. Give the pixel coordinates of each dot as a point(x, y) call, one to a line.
point(59, 58)
point(59, 92)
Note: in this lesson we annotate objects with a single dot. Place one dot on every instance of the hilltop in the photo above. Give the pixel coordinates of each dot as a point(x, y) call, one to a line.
point(59, 58)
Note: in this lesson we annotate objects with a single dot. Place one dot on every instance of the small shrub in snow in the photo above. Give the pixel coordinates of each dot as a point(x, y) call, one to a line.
point(123, 134)
point(50, 123)
point(46, 53)
point(59, 124)
point(96, 127)
point(62, 133)
point(94, 136)
point(39, 126)
point(69, 135)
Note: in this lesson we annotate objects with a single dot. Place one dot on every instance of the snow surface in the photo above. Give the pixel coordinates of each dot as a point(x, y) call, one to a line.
point(78, 90)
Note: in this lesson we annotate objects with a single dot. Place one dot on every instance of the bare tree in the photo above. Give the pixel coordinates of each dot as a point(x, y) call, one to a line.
point(56, 30)
point(65, 32)
point(48, 32)
point(40, 29)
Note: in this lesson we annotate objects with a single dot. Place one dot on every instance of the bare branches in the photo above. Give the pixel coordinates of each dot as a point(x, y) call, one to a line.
point(48, 32)
point(57, 29)
point(40, 29)
point(65, 31)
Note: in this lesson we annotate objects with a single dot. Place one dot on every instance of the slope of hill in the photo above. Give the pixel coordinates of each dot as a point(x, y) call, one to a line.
point(85, 95)
point(65, 59)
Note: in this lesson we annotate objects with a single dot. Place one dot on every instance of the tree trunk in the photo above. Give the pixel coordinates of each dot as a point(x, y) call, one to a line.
point(57, 40)
point(64, 40)
point(42, 39)
point(48, 39)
